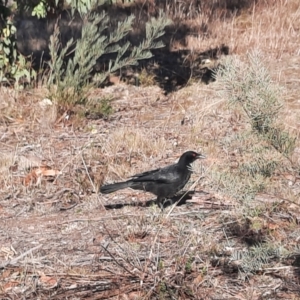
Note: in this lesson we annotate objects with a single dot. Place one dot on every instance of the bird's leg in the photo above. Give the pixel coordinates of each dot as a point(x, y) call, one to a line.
point(167, 202)
point(160, 202)
point(163, 202)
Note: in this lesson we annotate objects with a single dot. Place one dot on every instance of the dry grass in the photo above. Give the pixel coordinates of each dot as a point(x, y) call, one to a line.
point(264, 26)
point(61, 240)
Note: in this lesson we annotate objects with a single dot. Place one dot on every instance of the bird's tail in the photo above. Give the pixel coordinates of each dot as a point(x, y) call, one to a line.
point(110, 188)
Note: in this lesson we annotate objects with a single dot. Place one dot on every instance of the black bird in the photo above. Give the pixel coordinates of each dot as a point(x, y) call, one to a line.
point(164, 182)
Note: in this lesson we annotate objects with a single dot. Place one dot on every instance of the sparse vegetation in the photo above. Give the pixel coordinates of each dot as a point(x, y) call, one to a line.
point(98, 108)
point(260, 148)
point(145, 79)
point(13, 66)
point(234, 236)
point(69, 84)
point(250, 87)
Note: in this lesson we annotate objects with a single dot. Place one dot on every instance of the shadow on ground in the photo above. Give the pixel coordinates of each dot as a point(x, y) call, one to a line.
point(180, 199)
point(170, 70)
point(173, 70)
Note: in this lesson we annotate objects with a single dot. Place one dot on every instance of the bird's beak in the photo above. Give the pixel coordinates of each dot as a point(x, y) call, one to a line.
point(201, 156)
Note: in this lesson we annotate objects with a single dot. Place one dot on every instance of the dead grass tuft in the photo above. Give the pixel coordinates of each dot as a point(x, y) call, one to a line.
point(262, 25)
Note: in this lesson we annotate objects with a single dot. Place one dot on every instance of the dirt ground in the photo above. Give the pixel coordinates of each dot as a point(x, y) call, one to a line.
point(61, 239)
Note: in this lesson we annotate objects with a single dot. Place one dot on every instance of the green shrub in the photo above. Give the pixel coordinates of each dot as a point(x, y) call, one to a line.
point(257, 257)
point(249, 86)
point(70, 82)
point(13, 66)
point(262, 145)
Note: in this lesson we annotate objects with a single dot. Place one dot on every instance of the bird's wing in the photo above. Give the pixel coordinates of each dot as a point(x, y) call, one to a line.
point(145, 173)
point(168, 174)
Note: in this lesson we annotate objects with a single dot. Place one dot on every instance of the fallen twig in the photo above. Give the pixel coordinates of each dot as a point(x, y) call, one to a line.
point(15, 260)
